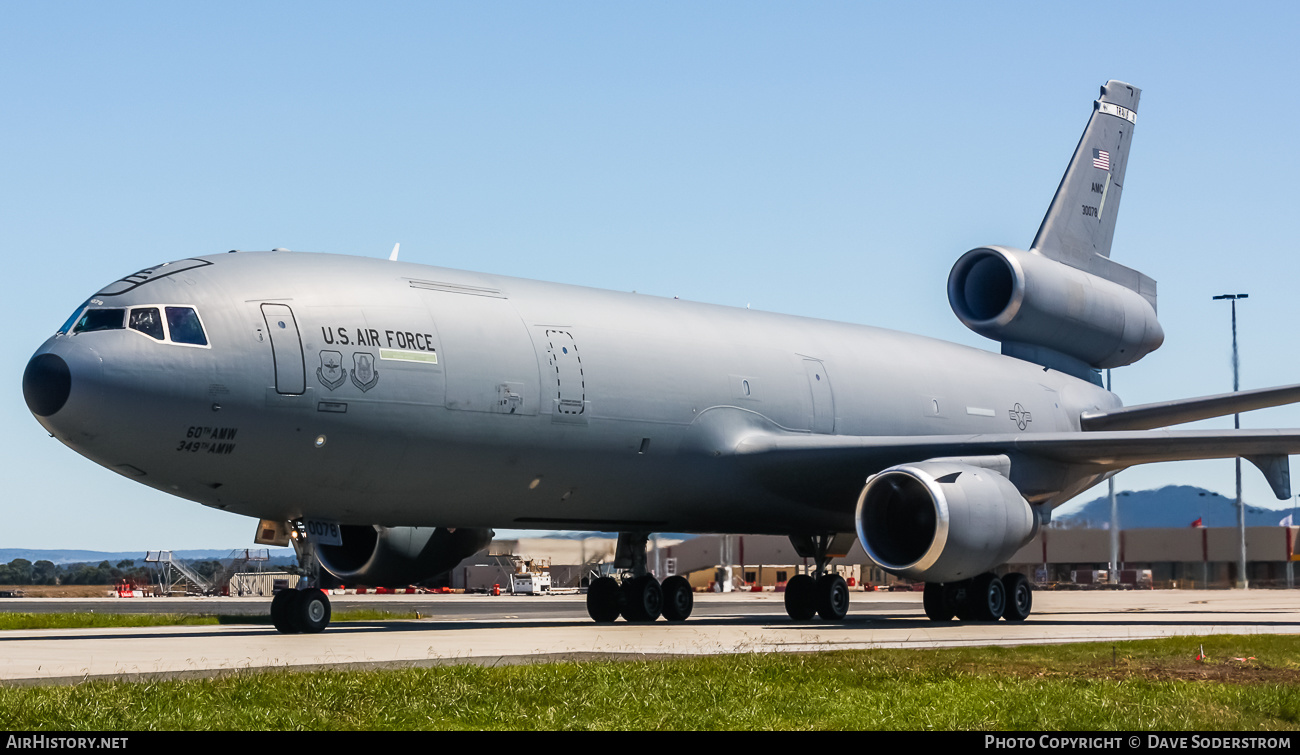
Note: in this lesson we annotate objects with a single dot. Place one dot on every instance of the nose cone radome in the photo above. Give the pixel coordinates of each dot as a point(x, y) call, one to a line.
point(47, 381)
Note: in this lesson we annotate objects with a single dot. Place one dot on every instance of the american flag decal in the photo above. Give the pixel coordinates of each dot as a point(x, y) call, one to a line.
point(1101, 159)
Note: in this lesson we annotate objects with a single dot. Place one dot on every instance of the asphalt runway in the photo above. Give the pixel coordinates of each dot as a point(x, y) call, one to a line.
point(449, 607)
point(502, 630)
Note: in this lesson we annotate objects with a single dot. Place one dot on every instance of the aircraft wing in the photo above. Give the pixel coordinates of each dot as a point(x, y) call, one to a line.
point(1107, 451)
point(1165, 413)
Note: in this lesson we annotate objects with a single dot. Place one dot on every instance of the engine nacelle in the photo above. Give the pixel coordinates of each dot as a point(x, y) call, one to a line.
point(374, 555)
point(940, 521)
point(1022, 297)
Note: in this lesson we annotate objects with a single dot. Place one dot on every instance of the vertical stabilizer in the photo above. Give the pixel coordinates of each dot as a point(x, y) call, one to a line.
point(1080, 222)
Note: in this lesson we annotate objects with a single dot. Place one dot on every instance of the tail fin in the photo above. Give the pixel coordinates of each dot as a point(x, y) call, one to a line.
point(1081, 220)
point(1080, 223)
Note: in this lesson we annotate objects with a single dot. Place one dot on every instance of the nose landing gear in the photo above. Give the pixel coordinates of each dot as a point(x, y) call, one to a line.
point(305, 611)
point(300, 611)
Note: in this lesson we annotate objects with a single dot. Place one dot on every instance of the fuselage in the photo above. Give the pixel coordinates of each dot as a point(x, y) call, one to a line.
point(367, 391)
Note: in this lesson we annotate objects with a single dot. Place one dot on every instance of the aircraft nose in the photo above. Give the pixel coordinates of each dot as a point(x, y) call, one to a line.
point(47, 382)
point(62, 387)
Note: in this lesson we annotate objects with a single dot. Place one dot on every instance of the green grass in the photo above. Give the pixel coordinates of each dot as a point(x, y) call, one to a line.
point(87, 619)
point(370, 614)
point(90, 619)
point(1125, 686)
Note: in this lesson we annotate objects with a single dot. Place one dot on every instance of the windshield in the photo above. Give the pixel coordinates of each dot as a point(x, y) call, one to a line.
point(100, 319)
point(165, 324)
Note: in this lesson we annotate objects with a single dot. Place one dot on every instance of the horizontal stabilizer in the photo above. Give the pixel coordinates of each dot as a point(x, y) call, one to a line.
point(1165, 413)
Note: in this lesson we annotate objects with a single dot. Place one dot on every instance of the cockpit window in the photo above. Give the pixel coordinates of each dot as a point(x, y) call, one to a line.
point(100, 319)
point(181, 326)
point(147, 320)
point(67, 325)
point(183, 322)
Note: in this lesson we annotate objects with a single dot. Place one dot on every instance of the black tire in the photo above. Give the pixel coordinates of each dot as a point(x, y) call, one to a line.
point(603, 600)
point(961, 596)
point(679, 599)
point(311, 611)
point(938, 606)
point(282, 611)
point(801, 597)
point(832, 597)
point(988, 597)
point(1020, 597)
point(643, 599)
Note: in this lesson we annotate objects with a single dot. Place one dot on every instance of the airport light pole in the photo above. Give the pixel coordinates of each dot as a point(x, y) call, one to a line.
point(1236, 424)
point(1114, 520)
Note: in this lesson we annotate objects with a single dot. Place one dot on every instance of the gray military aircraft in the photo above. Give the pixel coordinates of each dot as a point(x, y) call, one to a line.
point(391, 414)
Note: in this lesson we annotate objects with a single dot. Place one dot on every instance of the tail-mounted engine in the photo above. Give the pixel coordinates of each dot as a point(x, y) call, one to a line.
point(1031, 303)
point(399, 555)
point(942, 521)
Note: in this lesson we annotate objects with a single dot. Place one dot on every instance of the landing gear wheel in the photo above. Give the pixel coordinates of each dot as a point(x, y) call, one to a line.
point(603, 600)
point(801, 597)
point(832, 597)
point(282, 610)
point(310, 611)
point(1020, 597)
point(678, 598)
point(938, 604)
point(961, 596)
point(988, 597)
point(643, 599)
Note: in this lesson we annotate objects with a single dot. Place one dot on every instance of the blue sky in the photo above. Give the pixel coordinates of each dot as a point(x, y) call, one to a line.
point(821, 159)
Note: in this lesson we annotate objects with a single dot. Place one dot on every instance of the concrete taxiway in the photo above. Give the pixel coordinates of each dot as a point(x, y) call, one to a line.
point(491, 631)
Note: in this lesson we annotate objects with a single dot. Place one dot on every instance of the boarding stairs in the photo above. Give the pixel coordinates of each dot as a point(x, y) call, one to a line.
point(173, 574)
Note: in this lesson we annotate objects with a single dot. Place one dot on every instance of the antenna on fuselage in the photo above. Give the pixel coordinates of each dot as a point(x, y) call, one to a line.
point(393, 257)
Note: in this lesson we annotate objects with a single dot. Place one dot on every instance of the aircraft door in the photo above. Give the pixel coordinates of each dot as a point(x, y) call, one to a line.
point(823, 401)
point(286, 348)
point(564, 364)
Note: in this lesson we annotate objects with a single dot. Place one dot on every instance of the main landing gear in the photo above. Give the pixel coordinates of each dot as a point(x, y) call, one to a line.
point(987, 597)
point(300, 611)
point(826, 596)
point(823, 594)
point(639, 597)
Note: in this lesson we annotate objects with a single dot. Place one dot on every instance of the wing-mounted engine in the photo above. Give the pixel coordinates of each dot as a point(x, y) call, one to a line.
point(1041, 310)
point(942, 521)
point(374, 555)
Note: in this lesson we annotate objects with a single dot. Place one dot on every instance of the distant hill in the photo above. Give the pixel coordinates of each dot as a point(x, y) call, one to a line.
point(278, 555)
point(1170, 506)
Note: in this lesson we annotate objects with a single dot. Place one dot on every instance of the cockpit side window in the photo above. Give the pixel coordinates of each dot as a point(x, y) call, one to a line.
point(100, 319)
point(147, 320)
point(183, 322)
point(67, 325)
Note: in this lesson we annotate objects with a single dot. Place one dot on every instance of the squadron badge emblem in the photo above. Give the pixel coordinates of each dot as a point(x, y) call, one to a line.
point(364, 374)
point(331, 373)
